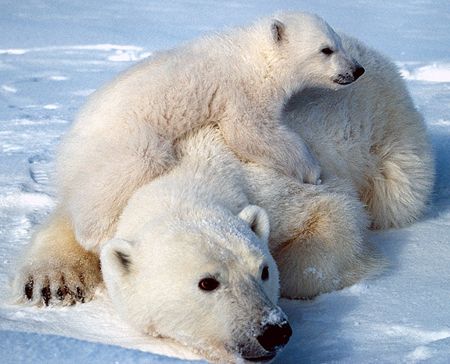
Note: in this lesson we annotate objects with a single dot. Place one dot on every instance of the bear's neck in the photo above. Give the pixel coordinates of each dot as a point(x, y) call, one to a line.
point(266, 81)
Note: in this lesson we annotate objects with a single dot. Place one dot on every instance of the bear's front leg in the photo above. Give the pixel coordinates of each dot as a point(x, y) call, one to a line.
point(55, 268)
point(271, 144)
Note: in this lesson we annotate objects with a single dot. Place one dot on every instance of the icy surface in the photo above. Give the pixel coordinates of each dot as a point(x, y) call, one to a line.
point(54, 54)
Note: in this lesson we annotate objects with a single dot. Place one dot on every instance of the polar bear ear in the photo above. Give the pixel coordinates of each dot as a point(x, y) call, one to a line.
point(256, 217)
point(117, 254)
point(278, 31)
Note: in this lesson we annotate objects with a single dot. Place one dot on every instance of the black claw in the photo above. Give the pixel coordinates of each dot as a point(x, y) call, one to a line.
point(80, 295)
point(29, 289)
point(46, 295)
point(62, 292)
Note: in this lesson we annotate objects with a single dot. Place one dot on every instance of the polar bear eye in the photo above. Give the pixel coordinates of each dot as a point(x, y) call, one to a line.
point(265, 273)
point(327, 51)
point(208, 284)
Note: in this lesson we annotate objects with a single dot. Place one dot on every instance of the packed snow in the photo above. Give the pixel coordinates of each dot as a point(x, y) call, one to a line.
point(54, 54)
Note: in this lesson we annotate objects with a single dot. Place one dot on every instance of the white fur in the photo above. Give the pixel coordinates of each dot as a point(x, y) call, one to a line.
point(370, 134)
point(371, 144)
point(176, 231)
point(238, 80)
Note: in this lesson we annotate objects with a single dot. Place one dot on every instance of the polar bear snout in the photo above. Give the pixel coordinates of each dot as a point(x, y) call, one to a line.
point(275, 336)
point(354, 72)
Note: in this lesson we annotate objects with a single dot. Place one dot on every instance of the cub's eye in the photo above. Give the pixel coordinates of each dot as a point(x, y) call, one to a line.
point(208, 284)
point(265, 273)
point(327, 51)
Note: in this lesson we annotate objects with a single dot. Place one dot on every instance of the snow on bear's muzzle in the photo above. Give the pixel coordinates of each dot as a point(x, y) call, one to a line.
point(261, 328)
point(274, 334)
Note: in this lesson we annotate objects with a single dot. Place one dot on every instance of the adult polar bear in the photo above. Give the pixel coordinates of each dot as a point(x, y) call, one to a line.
point(370, 142)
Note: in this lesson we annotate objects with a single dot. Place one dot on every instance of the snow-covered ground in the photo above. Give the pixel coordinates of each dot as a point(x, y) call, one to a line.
point(53, 54)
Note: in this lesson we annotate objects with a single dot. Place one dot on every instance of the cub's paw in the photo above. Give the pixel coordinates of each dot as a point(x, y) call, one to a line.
point(309, 173)
point(49, 283)
point(306, 166)
point(312, 175)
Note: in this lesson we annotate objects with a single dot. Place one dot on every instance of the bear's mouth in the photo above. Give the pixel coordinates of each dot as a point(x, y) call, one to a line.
point(260, 359)
point(342, 81)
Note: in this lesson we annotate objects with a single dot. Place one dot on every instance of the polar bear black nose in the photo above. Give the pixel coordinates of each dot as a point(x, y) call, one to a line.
point(275, 336)
point(358, 72)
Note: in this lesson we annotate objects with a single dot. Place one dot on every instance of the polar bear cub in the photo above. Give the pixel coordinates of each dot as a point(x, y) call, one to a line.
point(125, 135)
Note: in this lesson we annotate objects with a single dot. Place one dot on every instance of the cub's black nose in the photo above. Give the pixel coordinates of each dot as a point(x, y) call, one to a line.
point(358, 72)
point(275, 336)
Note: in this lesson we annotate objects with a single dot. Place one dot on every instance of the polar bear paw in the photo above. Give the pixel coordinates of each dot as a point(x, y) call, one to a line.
point(309, 171)
point(306, 167)
point(312, 174)
point(48, 282)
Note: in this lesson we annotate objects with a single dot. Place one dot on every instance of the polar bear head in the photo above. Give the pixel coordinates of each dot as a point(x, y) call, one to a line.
point(307, 52)
point(207, 281)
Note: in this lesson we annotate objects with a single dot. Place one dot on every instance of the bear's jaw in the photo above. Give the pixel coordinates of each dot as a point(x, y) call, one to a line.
point(216, 354)
point(261, 359)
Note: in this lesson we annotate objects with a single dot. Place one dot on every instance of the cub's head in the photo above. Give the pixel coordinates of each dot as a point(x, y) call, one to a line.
point(208, 282)
point(309, 53)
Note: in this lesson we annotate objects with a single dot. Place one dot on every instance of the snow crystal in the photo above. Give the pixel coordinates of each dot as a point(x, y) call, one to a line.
point(435, 72)
point(107, 47)
point(313, 271)
point(440, 122)
point(419, 335)
point(274, 317)
point(13, 51)
point(83, 93)
point(9, 89)
point(25, 200)
point(420, 353)
point(58, 78)
point(123, 56)
point(51, 106)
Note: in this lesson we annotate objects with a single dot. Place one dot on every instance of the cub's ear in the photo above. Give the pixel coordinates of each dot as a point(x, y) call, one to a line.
point(116, 257)
point(257, 219)
point(278, 31)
